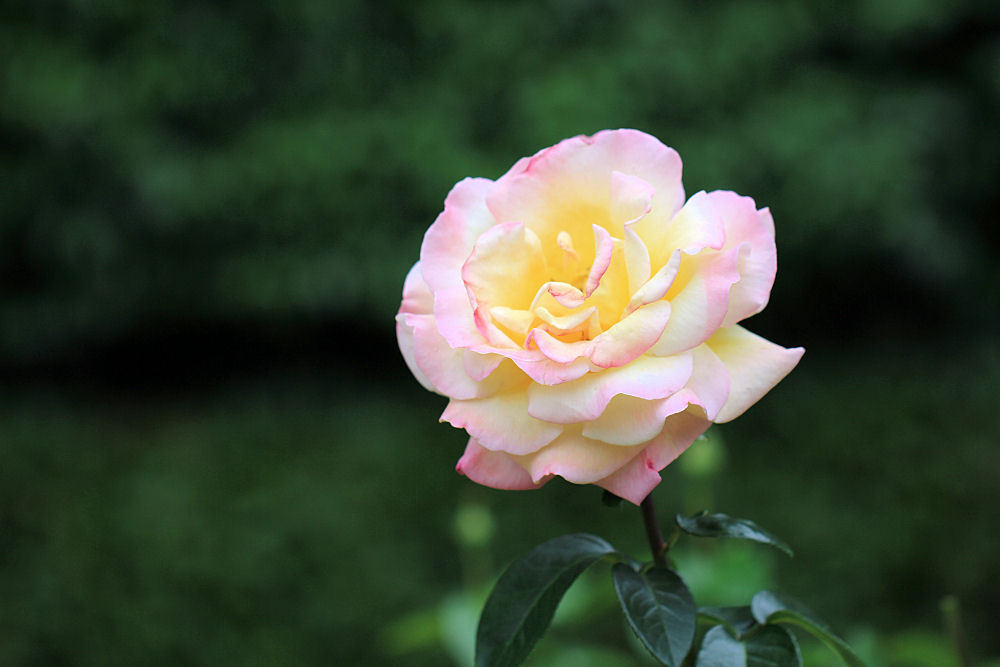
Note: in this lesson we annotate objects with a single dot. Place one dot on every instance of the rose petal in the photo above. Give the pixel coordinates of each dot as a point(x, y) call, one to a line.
point(638, 477)
point(586, 398)
point(755, 366)
point(439, 363)
point(551, 373)
point(631, 421)
point(404, 336)
point(505, 267)
point(700, 305)
point(479, 366)
point(577, 459)
point(636, 260)
point(753, 232)
point(494, 469)
point(567, 186)
point(557, 350)
point(657, 286)
point(564, 294)
point(632, 336)
point(446, 246)
point(604, 247)
point(501, 422)
point(417, 300)
point(631, 198)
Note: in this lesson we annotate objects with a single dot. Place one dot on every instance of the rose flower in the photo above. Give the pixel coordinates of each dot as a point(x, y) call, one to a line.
point(582, 317)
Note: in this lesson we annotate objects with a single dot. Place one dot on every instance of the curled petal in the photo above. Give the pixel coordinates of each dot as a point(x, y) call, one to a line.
point(501, 422)
point(566, 322)
point(557, 350)
point(631, 198)
point(755, 366)
point(576, 459)
point(440, 364)
point(753, 232)
point(404, 336)
point(417, 300)
point(546, 372)
point(604, 247)
point(417, 296)
point(629, 421)
point(638, 477)
point(700, 305)
point(479, 366)
point(586, 398)
point(566, 187)
point(630, 337)
point(657, 286)
point(698, 225)
point(517, 321)
point(564, 294)
point(505, 267)
point(446, 246)
point(637, 263)
point(494, 469)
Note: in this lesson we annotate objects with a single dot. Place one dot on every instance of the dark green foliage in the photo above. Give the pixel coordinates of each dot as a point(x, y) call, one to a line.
point(521, 606)
point(771, 608)
point(704, 524)
point(659, 608)
point(770, 646)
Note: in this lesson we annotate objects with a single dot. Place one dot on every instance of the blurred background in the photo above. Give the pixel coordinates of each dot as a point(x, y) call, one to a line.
point(210, 449)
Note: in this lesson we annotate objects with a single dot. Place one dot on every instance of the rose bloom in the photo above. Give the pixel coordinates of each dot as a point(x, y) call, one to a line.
point(582, 317)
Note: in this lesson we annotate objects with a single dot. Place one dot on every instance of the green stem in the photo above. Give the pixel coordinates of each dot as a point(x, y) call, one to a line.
point(653, 534)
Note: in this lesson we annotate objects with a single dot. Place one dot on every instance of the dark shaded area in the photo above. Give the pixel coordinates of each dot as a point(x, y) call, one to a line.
point(212, 452)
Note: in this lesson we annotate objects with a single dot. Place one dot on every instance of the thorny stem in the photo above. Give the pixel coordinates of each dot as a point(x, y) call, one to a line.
point(653, 534)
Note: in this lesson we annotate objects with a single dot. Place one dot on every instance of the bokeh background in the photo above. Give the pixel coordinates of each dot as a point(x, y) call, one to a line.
point(210, 449)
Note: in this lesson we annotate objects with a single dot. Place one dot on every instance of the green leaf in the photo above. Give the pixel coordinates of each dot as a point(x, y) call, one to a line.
point(771, 608)
point(704, 524)
point(737, 619)
point(771, 646)
point(525, 597)
point(660, 609)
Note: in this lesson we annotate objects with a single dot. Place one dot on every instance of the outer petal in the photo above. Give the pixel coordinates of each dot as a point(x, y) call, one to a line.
point(700, 305)
point(501, 422)
point(494, 469)
point(586, 398)
point(447, 244)
point(631, 198)
point(572, 181)
point(755, 365)
point(479, 366)
point(638, 477)
point(441, 364)
point(551, 373)
point(577, 459)
point(417, 299)
point(693, 228)
point(629, 421)
point(753, 232)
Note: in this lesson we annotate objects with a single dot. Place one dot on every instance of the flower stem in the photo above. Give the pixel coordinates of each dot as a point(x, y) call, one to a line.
point(653, 534)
